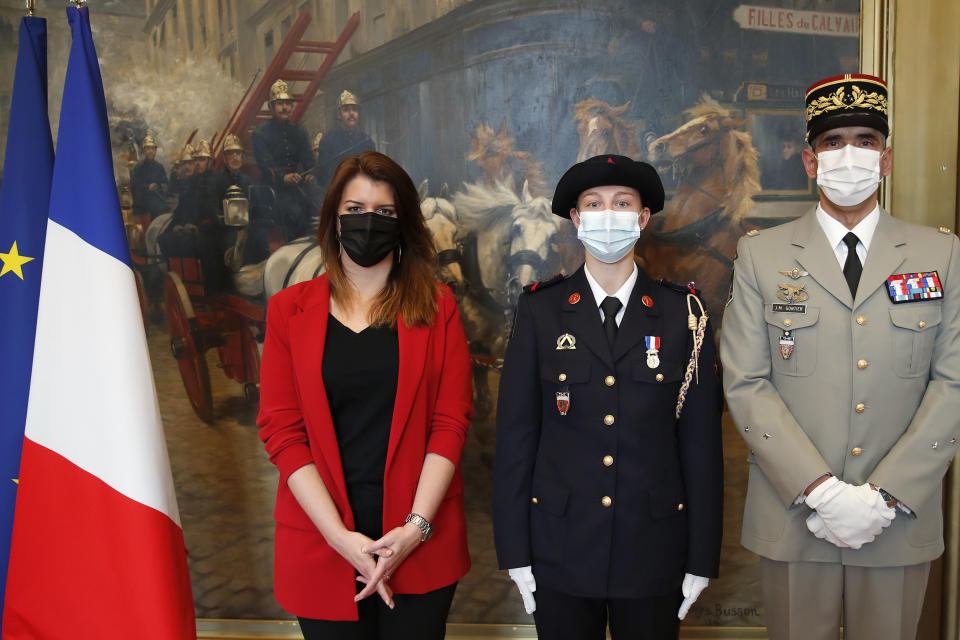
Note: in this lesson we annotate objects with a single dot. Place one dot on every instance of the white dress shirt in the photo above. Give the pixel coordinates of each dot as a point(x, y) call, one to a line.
point(623, 293)
point(835, 231)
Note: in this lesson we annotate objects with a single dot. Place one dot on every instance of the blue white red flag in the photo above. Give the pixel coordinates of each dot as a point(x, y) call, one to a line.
point(24, 199)
point(97, 547)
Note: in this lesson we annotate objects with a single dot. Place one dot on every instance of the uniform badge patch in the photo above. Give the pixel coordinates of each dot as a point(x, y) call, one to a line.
point(913, 287)
point(566, 341)
point(563, 402)
point(786, 345)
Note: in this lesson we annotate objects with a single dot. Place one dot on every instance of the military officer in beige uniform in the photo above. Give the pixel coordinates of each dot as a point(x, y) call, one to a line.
point(841, 354)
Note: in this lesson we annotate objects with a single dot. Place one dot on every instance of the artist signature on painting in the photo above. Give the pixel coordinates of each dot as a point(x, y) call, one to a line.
point(719, 613)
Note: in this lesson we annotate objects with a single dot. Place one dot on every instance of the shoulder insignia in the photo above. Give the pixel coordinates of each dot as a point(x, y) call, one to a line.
point(944, 230)
point(543, 284)
point(690, 287)
point(753, 232)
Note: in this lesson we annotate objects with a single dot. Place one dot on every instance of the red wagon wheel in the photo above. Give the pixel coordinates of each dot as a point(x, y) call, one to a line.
point(186, 346)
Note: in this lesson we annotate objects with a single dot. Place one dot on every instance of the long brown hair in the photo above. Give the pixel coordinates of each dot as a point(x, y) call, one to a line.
point(411, 288)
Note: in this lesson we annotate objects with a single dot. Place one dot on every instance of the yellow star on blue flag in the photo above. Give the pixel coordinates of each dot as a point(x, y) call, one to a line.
point(13, 261)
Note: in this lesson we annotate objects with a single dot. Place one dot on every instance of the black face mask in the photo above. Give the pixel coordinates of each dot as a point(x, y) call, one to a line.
point(368, 237)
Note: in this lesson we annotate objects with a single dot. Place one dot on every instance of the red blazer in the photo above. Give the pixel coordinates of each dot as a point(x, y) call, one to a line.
point(431, 415)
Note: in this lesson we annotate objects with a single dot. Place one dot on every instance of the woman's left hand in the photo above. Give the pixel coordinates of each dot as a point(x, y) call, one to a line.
point(400, 543)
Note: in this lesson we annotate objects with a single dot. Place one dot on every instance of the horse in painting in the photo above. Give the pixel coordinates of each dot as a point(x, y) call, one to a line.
point(695, 238)
point(502, 164)
point(602, 129)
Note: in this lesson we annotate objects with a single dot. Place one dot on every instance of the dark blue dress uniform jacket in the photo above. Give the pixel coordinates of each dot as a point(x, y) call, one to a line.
point(663, 477)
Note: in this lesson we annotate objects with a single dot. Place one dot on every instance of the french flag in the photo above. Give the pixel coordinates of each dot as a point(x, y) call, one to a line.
point(97, 549)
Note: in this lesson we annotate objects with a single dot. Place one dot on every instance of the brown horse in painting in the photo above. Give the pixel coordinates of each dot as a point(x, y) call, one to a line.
point(502, 164)
point(695, 237)
point(603, 130)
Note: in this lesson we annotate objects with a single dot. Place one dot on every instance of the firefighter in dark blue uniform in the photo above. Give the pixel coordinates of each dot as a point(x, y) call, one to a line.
point(148, 182)
point(344, 141)
point(282, 150)
point(607, 506)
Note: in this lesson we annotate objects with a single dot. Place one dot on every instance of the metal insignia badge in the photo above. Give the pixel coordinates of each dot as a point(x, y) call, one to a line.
point(794, 273)
point(563, 402)
point(653, 349)
point(786, 345)
point(790, 294)
point(566, 341)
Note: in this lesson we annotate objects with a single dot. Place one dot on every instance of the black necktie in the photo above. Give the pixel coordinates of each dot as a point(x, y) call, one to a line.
point(852, 267)
point(610, 306)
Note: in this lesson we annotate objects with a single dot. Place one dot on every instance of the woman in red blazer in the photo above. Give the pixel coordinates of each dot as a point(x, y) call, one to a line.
point(365, 404)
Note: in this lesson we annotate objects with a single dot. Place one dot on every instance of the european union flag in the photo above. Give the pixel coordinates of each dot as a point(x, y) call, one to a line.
point(24, 200)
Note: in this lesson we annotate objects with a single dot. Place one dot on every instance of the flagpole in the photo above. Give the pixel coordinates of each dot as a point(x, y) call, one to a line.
point(30, 7)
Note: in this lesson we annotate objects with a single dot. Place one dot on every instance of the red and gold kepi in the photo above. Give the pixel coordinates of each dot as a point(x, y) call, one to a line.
point(850, 100)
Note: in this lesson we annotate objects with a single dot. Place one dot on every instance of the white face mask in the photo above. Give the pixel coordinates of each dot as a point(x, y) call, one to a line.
point(609, 235)
point(848, 176)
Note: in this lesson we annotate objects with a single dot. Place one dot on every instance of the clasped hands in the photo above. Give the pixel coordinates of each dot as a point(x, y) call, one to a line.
point(845, 515)
point(692, 587)
point(376, 560)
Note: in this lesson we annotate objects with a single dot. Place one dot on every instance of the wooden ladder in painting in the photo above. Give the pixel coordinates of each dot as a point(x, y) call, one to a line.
point(250, 112)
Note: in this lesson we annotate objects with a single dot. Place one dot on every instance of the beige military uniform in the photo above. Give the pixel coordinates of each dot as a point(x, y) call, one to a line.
point(870, 391)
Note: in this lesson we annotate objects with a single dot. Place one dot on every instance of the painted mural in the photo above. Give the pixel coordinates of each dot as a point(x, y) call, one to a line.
point(485, 103)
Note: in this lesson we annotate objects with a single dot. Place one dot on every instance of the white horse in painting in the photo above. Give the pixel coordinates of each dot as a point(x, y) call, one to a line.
point(509, 243)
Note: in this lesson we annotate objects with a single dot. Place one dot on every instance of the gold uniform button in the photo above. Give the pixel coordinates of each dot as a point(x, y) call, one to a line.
point(608, 419)
point(534, 500)
point(860, 408)
point(609, 381)
point(862, 364)
point(861, 320)
point(787, 322)
point(607, 461)
point(659, 377)
point(921, 324)
point(680, 507)
point(856, 451)
point(562, 377)
point(606, 501)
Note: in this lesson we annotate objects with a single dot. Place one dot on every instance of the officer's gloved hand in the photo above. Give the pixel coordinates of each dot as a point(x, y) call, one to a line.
point(523, 576)
point(692, 587)
point(855, 514)
point(820, 530)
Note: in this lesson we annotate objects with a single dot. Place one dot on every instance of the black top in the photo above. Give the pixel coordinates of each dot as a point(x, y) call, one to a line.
point(360, 372)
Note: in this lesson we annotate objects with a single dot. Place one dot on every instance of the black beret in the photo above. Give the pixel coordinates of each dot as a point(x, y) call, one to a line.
point(850, 100)
point(605, 170)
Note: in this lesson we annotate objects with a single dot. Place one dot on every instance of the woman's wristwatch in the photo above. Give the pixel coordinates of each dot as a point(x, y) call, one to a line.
point(426, 529)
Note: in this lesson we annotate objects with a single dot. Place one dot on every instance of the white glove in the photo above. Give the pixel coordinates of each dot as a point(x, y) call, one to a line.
point(819, 529)
point(692, 587)
point(523, 576)
point(855, 514)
